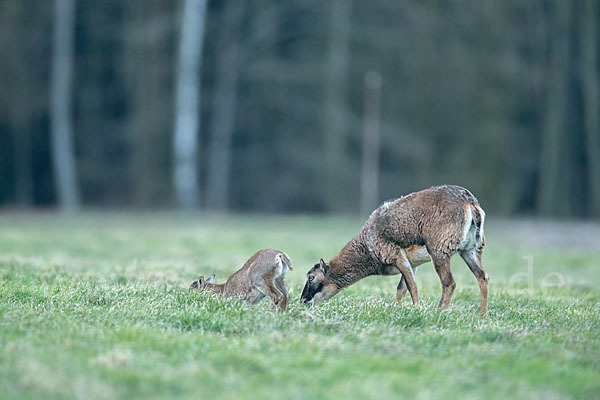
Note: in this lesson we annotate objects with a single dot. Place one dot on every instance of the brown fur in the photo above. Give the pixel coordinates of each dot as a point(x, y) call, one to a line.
point(262, 275)
point(429, 225)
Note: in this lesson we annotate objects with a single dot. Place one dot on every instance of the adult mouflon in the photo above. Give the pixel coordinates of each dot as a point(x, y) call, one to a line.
point(429, 225)
point(262, 275)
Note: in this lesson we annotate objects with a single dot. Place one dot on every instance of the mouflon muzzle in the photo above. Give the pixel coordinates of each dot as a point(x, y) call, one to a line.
point(309, 292)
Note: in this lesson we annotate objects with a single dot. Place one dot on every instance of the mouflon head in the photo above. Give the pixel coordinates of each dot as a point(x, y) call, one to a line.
point(200, 284)
point(318, 285)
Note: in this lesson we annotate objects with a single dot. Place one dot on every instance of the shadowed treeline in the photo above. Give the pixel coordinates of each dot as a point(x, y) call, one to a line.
point(500, 97)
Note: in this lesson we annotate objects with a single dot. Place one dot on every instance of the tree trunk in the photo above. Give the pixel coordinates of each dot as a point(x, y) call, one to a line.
point(23, 166)
point(591, 100)
point(553, 193)
point(333, 119)
point(187, 102)
point(144, 59)
point(369, 178)
point(224, 104)
point(61, 121)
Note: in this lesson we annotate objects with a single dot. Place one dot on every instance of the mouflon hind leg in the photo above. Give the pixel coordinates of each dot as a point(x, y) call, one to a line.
point(441, 263)
point(401, 290)
point(405, 268)
point(271, 290)
point(280, 284)
point(473, 259)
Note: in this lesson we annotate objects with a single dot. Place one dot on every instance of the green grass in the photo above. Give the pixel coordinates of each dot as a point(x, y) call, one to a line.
point(97, 307)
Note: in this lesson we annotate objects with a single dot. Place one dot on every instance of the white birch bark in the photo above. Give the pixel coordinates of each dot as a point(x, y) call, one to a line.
point(187, 110)
point(63, 157)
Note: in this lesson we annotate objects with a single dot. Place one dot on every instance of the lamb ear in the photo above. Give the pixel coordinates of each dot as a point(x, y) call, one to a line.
point(210, 279)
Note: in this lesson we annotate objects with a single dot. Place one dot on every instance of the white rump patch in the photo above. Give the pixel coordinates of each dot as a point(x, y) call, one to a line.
point(468, 223)
point(289, 266)
point(468, 236)
point(482, 213)
point(282, 266)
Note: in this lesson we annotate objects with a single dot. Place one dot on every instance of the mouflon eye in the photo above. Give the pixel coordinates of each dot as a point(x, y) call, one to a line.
point(311, 278)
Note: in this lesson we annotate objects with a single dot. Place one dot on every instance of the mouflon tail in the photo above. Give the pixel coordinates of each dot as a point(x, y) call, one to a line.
point(285, 259)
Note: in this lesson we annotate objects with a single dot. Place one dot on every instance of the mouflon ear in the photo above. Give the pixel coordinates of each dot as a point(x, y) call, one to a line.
point(210, 279)
point(324, 266)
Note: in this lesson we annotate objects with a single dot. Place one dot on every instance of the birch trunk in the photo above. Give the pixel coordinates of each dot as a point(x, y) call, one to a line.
point(187, 102)
point(369, 178)
point(63, 157)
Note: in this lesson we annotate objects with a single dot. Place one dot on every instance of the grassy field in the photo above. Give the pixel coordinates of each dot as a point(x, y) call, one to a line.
point(97, 307)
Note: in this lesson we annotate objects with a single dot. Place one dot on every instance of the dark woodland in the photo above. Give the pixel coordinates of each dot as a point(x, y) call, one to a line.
point(303, 106)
